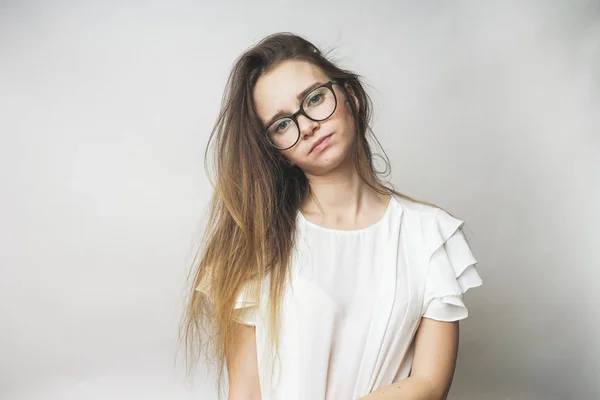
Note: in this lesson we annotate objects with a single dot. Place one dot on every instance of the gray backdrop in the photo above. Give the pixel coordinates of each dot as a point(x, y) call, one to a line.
point(489, 109)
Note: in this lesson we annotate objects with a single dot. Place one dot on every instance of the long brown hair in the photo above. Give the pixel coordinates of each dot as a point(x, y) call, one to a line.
point(252, 219)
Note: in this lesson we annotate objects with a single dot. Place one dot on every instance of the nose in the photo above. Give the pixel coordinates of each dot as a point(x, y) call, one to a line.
point(306, 125)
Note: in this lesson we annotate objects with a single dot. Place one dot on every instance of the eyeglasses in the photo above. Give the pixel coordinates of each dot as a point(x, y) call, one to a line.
point(318, 105)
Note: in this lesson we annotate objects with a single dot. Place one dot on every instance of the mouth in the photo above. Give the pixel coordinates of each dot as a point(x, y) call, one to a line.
point(318, 142)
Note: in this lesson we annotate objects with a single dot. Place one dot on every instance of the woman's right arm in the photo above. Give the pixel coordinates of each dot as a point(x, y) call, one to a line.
point(242, 365)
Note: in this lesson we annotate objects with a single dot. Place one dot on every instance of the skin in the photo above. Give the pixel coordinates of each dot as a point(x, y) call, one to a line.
point(436, 348)
point(345, 202)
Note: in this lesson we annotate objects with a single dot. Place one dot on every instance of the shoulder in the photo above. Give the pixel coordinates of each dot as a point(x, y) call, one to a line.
point(432, 224)
point(426, 213)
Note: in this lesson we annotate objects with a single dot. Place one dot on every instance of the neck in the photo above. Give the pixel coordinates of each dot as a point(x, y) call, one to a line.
point(341, 192)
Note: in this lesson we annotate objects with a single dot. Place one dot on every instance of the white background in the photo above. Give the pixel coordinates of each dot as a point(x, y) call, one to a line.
point(490, 109)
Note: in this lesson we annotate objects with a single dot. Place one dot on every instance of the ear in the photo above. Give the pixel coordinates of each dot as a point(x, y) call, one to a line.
point(351, 95)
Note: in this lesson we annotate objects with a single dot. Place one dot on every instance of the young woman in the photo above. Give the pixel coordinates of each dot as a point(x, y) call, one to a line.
point(316, 280)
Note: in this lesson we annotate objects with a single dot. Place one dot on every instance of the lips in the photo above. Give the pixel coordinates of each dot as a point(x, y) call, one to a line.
point(319, 142)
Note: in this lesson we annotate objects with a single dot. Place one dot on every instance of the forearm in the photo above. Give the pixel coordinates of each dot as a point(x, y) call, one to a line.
point(411, 388)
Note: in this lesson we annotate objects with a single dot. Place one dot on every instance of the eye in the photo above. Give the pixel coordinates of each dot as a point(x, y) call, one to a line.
point(281, 126)
point(315, 99)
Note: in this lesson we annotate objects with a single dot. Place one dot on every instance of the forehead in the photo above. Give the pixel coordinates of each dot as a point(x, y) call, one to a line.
point(277, 89)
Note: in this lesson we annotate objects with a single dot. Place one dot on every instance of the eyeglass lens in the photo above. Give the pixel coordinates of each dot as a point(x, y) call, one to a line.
point(318, 105)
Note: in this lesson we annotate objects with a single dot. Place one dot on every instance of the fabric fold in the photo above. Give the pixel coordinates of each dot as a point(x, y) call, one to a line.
point(245, 308)
point(246, 304)
point(451, 271)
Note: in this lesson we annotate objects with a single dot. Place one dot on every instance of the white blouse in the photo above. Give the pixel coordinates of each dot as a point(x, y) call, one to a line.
point(355, 301)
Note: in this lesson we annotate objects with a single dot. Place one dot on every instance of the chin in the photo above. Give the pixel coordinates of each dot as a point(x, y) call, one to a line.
point(331, 160)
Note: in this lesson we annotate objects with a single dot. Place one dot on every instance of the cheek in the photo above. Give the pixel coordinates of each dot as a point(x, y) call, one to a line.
point(292, 155)
point(345, 120)
point(343, 113)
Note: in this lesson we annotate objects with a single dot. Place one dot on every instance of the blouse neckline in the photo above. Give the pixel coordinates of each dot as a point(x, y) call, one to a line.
point(373, 226)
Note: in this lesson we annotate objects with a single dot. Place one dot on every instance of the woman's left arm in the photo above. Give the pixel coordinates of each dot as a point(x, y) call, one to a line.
point(436, 349)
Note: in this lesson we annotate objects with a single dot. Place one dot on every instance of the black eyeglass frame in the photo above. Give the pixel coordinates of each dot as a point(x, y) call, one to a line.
point(301, 111)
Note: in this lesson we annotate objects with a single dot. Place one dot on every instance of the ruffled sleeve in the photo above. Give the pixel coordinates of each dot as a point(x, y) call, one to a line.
point(247, 304)
point(245, 308)
point(452, 269)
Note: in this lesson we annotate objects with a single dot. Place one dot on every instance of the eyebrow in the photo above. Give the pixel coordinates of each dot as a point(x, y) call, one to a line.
point(299, 96)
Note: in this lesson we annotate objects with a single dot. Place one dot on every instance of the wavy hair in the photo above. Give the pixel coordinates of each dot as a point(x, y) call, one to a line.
point(252, 217)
